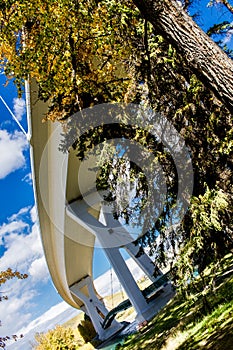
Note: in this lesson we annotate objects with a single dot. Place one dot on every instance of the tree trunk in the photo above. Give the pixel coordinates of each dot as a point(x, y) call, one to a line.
point(211, 65)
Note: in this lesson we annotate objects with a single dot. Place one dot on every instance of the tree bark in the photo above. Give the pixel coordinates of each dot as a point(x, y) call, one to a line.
point(211, 65)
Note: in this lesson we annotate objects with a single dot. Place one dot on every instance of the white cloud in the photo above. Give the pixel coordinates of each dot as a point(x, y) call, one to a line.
point(16, 303)
point(23, 253)
point(28, 178)
point(14, 309)
point(22, 318)
point(33, 214)
point(22, 249)
point(14, 226)
point(21, 212)
point(39, 270)
point(52, 313)
point(23, 244)
point(12, 147)
point(19, 107)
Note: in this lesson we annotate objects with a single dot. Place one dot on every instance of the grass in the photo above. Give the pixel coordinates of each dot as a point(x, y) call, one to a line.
point(186, 325)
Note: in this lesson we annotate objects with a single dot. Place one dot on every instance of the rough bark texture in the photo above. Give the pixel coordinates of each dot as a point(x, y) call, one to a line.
point(209, 62)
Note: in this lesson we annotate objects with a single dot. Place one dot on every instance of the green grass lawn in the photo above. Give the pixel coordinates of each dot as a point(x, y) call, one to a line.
point(187, 325)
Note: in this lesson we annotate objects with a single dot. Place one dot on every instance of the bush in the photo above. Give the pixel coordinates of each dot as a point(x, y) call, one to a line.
point(87, 330)
point(59, 338)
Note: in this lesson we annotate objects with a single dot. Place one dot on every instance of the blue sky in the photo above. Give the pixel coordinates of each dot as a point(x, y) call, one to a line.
point(209, 15)
point(20, 246)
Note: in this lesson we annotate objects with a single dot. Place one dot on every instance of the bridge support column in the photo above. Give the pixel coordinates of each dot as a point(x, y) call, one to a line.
point(111, 236)
point(143, 260)
point(128, 283)
point(94, 307)
point(136, 253)
point(119, 265)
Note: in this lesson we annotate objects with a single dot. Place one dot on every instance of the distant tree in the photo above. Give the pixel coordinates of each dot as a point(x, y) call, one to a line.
point(58, 338)
point(86, 329)
point(4, 277)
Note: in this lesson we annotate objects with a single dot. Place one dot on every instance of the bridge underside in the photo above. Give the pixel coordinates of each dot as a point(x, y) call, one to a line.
point(69, 232)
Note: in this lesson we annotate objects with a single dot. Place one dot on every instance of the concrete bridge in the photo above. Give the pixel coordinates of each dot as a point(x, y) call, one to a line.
point(73, 220)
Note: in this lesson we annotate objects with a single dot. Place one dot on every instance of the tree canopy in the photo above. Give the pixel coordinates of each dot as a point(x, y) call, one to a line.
point(75, 50)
